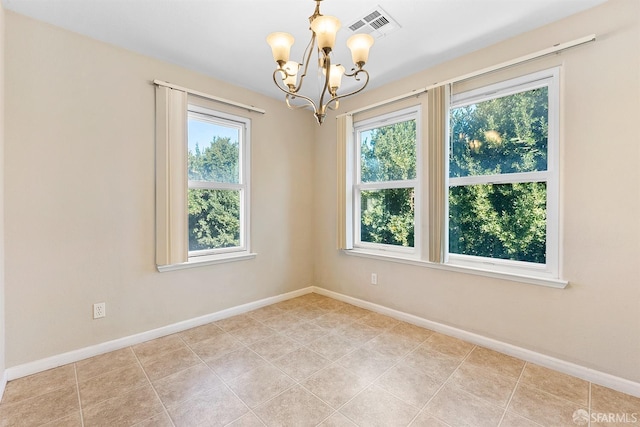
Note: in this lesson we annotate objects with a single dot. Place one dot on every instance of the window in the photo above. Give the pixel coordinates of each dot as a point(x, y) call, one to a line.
point(502, 177)
point(217, 182)
point(489, 197)
point(202, 182)
point(386, 182)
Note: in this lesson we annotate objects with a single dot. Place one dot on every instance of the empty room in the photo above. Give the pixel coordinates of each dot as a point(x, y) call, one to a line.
point(320, 213)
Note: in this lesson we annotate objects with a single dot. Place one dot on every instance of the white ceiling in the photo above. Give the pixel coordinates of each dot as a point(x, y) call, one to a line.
point(226, 38)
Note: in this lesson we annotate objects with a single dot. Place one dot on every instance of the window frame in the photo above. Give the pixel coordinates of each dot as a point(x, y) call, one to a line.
point(243, 125)
point(547, 78)
point(171, 178)
point(396, 116)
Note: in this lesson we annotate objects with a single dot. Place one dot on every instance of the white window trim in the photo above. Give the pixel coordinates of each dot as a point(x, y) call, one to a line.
point(358, 186)
point(549, 270)
point(528, 273)
point(477, 271)
point(243, 125)
point(203, 261)
point(172, 107)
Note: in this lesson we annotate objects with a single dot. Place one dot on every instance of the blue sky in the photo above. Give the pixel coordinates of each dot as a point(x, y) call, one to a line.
point(202, 133)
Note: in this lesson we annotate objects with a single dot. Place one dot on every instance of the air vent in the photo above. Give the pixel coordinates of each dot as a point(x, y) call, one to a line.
point(378, 23)
point(373, 15)
point(356, 26)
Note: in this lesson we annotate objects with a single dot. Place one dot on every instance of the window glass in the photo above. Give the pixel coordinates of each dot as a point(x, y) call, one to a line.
point(387, 216)
point(502, 135)
point(388, 153)
point(214, 219)
point(386, 182)
point(214, 150)
point(502, 189)
point(487, 199)
point(505, 221)
point(217, 188)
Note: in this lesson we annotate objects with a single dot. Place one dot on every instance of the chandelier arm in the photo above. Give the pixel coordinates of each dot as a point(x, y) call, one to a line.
point(355, 75)
point(307, 52)
point(297, 107)
point(275, 80)
point(327, 67)
point(356, 72)
point(291, 106)
point(316, 12)
point(290, 94)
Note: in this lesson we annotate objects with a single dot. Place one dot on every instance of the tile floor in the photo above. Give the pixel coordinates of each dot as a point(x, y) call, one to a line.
point(307, 361)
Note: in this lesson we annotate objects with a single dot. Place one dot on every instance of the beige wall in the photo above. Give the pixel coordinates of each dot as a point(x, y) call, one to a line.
point(2, 169)
point(80, 184)
point(80, 197)
point(594, 322)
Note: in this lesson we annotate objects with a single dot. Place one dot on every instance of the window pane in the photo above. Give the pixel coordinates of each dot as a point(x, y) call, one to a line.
point(501, 135)
point(388, 153)
point(387, 216)
point(214, 219)
point(214, 151)
point(506, 221)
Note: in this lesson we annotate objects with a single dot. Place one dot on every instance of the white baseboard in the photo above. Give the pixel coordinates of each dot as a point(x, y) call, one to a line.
point(34, 367)
point(3, 383)
point(597, 377)
point(592, 375)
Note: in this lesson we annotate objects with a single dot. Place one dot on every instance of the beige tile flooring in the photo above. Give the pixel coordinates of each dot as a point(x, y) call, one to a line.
point(311, 360)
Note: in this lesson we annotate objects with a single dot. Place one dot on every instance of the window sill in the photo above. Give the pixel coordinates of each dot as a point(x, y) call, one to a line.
point(203, 261)
point(533, 280)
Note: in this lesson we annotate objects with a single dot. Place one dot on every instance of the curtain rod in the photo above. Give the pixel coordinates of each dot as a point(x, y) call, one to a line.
point(553, 49)
point(211, 97)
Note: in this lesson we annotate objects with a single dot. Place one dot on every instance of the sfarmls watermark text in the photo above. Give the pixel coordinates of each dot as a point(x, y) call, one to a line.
point(582, 417)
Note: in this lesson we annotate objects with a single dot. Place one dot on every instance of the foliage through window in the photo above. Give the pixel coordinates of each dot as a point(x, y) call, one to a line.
point(386, 181)
point(217, 187)
point(490, 190)
point(502, 177)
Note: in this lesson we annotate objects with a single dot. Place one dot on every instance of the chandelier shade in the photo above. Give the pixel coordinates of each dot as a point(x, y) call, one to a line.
point(289, 75)
point(359, 44)
point(280, 46)
point(325, 29)
point(335, 76)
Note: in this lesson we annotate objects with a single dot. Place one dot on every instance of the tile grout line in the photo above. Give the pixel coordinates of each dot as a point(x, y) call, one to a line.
point(75, 374)
point(295, 381)
point(372, 382)
point(563, 399)
point(19, 402)
point(332, 362)
point(403, 357)
point(299, 382)
point(335, 411)
point(166, 412)
point(464, 359)
point(589, 423)
point(513, 393)
point(223, 381)
point(521, 380)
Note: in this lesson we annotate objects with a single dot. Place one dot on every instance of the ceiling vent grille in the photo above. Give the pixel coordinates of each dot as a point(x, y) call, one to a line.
point(378, 23)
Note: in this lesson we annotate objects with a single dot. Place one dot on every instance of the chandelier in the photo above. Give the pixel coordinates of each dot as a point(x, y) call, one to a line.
point(323, 35)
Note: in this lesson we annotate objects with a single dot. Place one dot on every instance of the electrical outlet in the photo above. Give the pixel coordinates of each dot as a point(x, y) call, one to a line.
point(99, 310)
point(374, 279)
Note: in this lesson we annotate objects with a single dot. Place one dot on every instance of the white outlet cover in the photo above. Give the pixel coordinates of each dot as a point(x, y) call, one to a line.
point(99, 310)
